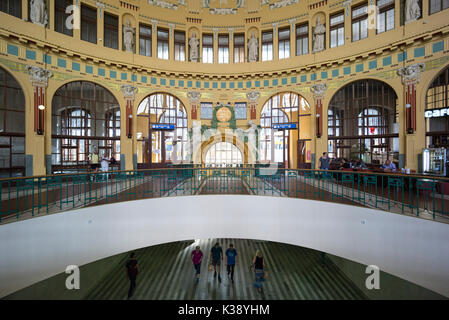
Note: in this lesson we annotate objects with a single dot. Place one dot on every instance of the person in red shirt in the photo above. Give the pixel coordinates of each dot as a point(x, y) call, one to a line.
point(197, 257)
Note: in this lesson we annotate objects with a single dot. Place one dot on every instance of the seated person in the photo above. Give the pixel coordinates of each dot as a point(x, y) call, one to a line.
point(112, 160)
point(104, 164)
point(344, 164)
point(389, 166)
point(360, 164)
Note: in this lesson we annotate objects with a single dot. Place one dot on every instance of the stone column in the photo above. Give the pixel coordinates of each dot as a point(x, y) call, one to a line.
point(126, 145)
point(35, 157)
point(194, 98)
point(253, 97)
point(318, 95)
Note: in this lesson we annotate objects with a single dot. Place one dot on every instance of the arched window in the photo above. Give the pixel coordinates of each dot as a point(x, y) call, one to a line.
point(437, 97)
point(12, 126)
point(85, 119)
point(160, 145)
point(363, 123)
point(281, 109)
point(223, 154)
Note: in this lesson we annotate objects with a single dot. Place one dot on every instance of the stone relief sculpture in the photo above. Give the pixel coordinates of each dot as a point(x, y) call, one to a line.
point(38, 12)
point(194, 44)
point(412, 10)
point(163, 4)
point(282, 3)
point(240, 3)
point(38, 75)
point(206, 3)
point(318, 36)
point(223, 11)
point(253, 48)
point(411, 73)
point(128, 37)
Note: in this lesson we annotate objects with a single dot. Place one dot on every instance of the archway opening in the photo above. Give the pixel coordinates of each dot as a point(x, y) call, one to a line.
point(285, 131)
point(85, 127)
point(162, 136)
point(12, 126)
point(363, 123)
point(223, 154)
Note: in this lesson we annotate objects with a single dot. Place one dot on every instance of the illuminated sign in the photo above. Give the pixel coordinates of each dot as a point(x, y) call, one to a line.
point(436, 113)
point(162, 126)
point(287, 126)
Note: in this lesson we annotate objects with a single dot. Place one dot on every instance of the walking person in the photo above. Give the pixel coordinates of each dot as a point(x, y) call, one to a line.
point(231, 260)
point(197, 257)
point(215, 259)
point(132, 269)
point(259, 270)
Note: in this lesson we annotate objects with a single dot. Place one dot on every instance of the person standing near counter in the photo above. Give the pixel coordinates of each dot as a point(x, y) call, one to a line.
point(324, 161)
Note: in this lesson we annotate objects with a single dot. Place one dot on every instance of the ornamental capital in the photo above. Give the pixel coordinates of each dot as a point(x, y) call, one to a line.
point(411, 73)
point(253, 96)
point(194, 96)
point(38, 75)
point(318, 90)
point(129, 91)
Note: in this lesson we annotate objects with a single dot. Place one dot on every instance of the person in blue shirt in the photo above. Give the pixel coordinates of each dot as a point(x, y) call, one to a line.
point(231, 260)
point(389, 166)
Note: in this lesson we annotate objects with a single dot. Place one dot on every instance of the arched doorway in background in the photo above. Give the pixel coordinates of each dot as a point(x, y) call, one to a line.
point(223, 154)
point(12, 127)
point(85, 119)
point(363, 122)
point(281, 119)
point(162, 137)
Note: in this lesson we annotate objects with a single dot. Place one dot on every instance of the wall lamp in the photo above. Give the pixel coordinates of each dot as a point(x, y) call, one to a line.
point(130, 126)
point(40, 119)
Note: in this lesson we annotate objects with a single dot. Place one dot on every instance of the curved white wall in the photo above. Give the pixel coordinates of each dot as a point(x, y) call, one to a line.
point(413, 249)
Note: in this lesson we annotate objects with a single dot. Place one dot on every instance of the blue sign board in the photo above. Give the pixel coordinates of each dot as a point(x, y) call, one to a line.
point(287, 126)
point(162, 126)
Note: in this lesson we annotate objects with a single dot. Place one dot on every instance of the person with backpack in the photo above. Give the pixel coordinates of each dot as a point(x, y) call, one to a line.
point(231, 261)
point(132, 269)
point(197, 258)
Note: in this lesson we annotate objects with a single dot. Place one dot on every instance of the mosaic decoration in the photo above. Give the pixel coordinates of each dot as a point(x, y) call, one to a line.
point(282, 3)
point(163, 4)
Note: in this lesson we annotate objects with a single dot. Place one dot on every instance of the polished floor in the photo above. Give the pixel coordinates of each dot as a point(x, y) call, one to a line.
point(166, 272)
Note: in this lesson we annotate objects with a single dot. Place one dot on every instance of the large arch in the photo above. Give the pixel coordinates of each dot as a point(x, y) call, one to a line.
point(12, 126)
point(363, 122)
point(437, 123)
point(159, 146)
point(85, 121)
point(288, 148)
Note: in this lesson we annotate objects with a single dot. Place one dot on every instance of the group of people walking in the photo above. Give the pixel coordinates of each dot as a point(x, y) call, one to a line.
point(230, 257)
point(215, 262)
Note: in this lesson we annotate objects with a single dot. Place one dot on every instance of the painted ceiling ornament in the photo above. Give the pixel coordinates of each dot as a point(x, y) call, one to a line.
point(253, 96)
point(38, 75)
point(129, 91)
point(282, 3)
point(194, 96)
point(38, 12)
point(319, 89)
point(411, 73)
point(412, 10)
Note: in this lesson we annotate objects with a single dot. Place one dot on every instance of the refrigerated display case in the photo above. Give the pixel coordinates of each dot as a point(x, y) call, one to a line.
point(434, 161)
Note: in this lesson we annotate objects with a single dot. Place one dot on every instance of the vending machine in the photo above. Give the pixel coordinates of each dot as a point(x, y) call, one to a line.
point(434, 161)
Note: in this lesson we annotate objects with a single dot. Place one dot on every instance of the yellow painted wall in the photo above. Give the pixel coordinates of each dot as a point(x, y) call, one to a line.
point(428, 33)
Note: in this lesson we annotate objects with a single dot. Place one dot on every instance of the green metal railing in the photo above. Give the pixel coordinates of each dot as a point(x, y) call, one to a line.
point(422, 196)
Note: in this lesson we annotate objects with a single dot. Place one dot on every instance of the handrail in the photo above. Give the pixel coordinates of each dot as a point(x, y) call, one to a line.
point(421, 176)
point(418, 195)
